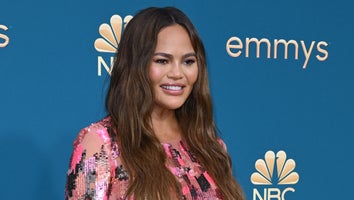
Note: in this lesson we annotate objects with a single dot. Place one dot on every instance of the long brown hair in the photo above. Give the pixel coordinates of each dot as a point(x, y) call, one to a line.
point(130, 101)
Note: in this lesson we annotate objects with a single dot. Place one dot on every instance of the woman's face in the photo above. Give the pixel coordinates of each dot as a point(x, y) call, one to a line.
point(173, 68)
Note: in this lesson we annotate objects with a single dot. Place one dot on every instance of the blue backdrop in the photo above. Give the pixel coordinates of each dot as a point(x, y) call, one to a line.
point(302, 106)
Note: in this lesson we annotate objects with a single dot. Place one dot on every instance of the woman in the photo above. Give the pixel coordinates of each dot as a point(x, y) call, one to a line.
point(159, 140)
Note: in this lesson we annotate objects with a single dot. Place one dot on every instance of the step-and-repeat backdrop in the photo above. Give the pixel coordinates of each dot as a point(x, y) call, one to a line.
point(282, 82)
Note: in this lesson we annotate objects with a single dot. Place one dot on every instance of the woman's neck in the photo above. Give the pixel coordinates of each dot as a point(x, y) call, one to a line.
point(165, 125)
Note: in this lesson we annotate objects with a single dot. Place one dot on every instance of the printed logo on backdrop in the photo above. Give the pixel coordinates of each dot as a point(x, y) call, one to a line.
point(109, 42)
point(4, 39)
point(235, 47)
point(274, 177)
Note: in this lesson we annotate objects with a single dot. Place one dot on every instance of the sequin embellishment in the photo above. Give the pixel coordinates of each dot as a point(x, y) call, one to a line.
point(101, 175)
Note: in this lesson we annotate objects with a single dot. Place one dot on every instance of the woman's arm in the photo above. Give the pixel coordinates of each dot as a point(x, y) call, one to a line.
point(90, 168)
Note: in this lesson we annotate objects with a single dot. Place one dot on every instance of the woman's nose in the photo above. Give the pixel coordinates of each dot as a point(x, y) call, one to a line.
point(175, 71)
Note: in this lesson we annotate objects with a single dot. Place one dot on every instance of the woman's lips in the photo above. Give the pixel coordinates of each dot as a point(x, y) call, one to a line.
point(172, 89)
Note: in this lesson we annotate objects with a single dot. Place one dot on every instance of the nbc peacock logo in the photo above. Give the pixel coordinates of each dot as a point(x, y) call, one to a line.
point(109, 41)
point(274, 170)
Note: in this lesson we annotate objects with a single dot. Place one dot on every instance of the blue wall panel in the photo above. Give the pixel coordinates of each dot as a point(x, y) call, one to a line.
point(50, 89)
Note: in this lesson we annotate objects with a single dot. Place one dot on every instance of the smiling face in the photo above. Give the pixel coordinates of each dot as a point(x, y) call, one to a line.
point(173, 69)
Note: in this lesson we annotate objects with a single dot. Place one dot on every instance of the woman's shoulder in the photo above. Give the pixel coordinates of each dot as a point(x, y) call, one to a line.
point(222, 143)
point(94, 141)
point(93, 163)
point(95, 135)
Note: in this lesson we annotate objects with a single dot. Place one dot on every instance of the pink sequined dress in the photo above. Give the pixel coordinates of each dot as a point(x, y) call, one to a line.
point(96, 171)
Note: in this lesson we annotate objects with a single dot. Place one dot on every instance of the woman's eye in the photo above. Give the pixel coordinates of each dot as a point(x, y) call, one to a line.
point(190, 62)
point(161, 61)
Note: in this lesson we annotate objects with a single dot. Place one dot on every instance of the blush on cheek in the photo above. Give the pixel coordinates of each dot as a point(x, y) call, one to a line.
point(193, 77)
point(155, 74)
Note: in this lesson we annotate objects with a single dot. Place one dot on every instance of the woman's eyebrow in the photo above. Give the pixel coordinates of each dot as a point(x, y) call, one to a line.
point(167, 55)
point(189, 55)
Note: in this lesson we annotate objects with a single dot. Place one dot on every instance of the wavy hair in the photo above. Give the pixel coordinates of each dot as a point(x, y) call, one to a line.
point(130, 100)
